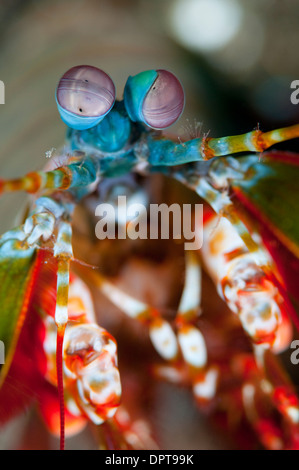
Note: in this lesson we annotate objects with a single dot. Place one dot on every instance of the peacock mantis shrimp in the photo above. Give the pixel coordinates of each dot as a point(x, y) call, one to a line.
point(47, 310)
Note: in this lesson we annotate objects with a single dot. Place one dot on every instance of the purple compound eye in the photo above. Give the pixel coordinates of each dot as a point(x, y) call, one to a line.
point(164, 102)
point(84, 95)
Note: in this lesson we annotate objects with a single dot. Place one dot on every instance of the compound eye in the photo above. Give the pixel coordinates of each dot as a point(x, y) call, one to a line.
point(164, 102)
point(84, 95)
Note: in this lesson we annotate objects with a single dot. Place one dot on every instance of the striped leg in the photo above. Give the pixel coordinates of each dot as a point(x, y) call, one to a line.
point(64, 253)
point(165, 152)
point(188, 345)
point(80, 173)
point(255, 141)
point(191, 340)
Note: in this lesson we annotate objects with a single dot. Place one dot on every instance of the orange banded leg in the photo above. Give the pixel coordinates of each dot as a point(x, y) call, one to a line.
point(191, 340)
point(188, 344)
point(63, 252)
point(255, 141)
point(78, 174)
point(164, 152)
point(91, 377)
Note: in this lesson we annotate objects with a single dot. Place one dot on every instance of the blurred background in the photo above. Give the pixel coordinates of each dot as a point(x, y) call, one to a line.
point(235, 58)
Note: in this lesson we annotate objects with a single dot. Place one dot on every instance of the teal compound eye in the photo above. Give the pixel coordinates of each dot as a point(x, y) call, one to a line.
point(154, 97)
point(84, 96)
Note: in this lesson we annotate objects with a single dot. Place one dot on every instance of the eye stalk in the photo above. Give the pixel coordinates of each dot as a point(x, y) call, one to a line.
point(84, 96)
point(154, 97)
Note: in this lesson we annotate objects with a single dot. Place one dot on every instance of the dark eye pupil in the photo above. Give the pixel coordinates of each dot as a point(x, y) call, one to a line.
point(86, 91)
